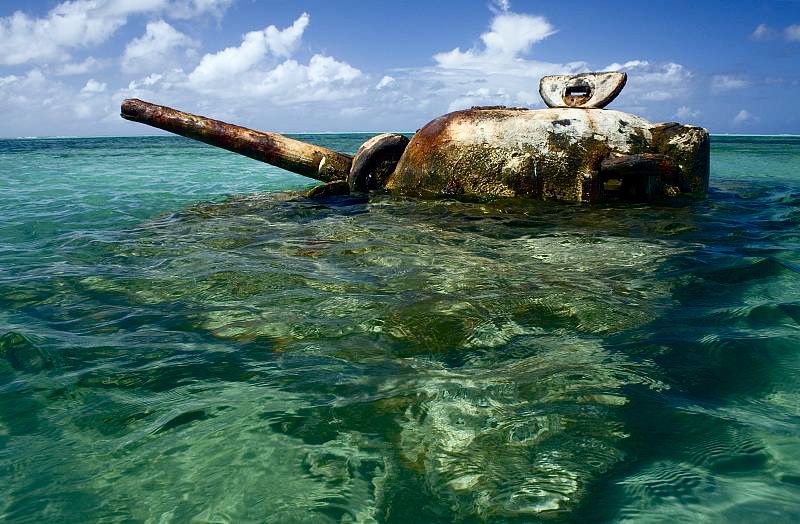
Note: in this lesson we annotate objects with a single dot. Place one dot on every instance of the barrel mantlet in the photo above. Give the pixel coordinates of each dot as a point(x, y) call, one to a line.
point(543, 153)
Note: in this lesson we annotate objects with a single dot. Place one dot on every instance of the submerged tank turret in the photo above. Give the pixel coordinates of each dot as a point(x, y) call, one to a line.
point(572, 151)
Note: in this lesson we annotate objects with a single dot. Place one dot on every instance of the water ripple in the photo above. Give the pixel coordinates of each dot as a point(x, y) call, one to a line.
point(168, 353)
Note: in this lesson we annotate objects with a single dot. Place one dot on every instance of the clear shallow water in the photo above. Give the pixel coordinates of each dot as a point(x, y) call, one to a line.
point(170, 354)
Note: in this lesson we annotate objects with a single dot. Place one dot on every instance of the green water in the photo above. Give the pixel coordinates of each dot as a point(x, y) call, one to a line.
point(170, 354)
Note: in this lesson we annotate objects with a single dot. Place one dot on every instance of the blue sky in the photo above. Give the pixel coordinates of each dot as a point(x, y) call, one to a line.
point(733, 67)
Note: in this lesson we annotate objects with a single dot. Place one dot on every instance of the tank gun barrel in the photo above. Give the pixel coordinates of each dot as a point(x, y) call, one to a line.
point(305, 159)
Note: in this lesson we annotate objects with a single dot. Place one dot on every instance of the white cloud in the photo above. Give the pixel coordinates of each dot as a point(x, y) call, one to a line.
point(23, 86)
point(669, 73)
point(82, 23)
point(88, 65)
point(93, 86)
point(720, 83)
point(167, 86)
point(253, 71)
point(744, 117)
point(324, 69)
point(500, 6)
point(32, 104)
point(511, 35)
point(160, 47)
point(284, 42)
point(386, 81)
point(259, 72)
point(7, 80)
point(290, 82)
point(499, 71)
point(78, 23)
point(685, 112)
point(502, 72)
point(630, 64)
point(649, 82)
point(184, 9)
point(147, 81)
point(762, 32)
point(256, 45)
point(481, 97)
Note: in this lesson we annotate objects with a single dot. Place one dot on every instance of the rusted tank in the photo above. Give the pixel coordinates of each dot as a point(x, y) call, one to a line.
point(572, 151)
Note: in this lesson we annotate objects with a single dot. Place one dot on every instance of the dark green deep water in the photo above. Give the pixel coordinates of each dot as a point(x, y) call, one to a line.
point(169, 354)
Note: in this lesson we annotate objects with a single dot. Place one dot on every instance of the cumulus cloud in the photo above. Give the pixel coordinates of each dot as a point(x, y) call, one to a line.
point(147, 81)
point(81, 23)
point(93, 86)
point(484, 96)
point(7, 80)
point(502, 71)
point(33, 104)
point(160, 47)
point(88, 65)
point(743, 117)
point(167, 86)
point(630, 64)
point(68, 25)
point(498, 71)
point(764, 32)
point(685, 112)
point(20, 89)
point(510, 36)
point(323, 78)
point(261, 71)
point(255, 46)
point(651, 82)
point(500, 6)
point(260, 68)
point(720, 83)
point(184, 9)
point(386, 81)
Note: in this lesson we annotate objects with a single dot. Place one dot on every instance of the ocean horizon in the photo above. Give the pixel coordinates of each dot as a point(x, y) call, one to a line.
point(298, 133)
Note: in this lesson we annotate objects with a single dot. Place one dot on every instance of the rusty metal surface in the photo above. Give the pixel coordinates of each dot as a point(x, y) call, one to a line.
point(637, 177)
point(329, 189)
point(584, 90)
point(549, 153)
point(298, 157)
point(690, 149)
point(375, 160)
point(553, 153)
point(645, 163)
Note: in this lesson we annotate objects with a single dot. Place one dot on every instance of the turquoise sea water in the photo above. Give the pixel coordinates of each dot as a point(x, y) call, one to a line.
point(181, 341)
